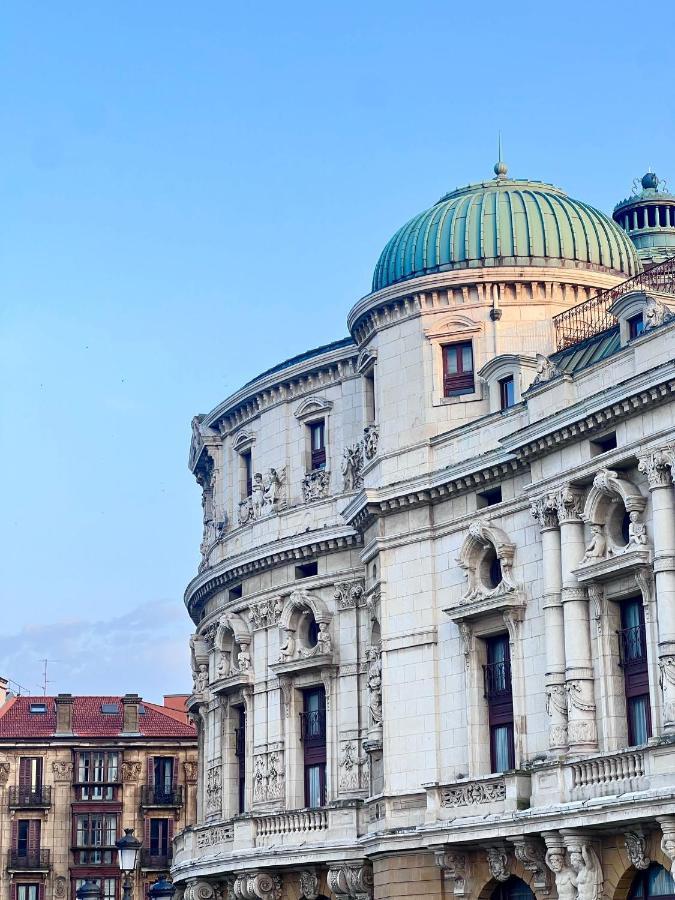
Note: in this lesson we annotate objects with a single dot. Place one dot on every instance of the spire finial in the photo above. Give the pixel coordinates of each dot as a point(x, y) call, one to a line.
point(500, 169)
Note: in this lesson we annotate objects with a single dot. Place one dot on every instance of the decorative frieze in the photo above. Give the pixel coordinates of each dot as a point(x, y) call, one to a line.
point(473, 792)
point(63, 771)
point(268, 777)
point(265, 613)
point(214, 790)
point(352, 764)
point(349, 594)
point(211, 837)
point(268, 496)
point(315, 485)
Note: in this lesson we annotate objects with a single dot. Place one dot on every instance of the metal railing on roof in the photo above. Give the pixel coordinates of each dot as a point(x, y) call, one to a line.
point(591, 317)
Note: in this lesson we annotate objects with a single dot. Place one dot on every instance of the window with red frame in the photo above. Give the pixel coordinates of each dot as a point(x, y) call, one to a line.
point(458, 375)
point(317, 440)
point(94, 838)
point(240, 753)
point(27, 891)
point(499, 696)
point(313, 737)
point(633, 661)
point(97, 774)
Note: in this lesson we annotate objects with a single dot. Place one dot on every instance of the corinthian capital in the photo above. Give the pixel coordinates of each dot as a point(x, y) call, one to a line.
point(569, 503)
point(351, 881)
point(545, 511)
point(659, 466)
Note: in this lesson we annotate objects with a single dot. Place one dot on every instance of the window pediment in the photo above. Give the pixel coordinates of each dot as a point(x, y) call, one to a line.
point(457, 325)
point(243, 441)
point(311, 407)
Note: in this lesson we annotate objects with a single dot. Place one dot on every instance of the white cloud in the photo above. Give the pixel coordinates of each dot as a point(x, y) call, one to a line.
point(144, 650)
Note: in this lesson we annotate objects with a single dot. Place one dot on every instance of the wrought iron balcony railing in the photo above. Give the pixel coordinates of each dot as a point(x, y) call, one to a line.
point(161, 860)
point(28, 860)
point(632, 646)
point(157, 795)
point(497, 680)
point(591, 317)
point(27, 797)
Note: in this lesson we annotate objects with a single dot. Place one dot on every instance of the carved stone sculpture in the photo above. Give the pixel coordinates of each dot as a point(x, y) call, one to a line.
point(309, 885)
point(351, 881)
point(190, 769)
point(597, 546)
point(352, 465)
point(4, 772)
point(531, 852)
point(257, 886)
point(636, 846)
point(131, 771)
point(287, 649)
point(201, 679)
point(374, 656)
point(498, 863)
point(637, 532)
point(667, 824)
point(265, 613)
point(584, 860)
point(60, 883)
point(565, 877)
point(546, 370)
point(456, 868)
point(63, 771)
point(655, 313)
point(213, 790)
point(244, 659)
point(323, 640)
point(315, 485)
point(371, 437)
point(196, 889)
point(474, 792)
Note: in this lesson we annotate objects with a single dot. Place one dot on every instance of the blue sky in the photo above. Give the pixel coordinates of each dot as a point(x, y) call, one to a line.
point(190, 193)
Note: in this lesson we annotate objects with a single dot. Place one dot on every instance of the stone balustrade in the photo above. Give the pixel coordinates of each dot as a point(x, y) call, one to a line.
point(289, 827)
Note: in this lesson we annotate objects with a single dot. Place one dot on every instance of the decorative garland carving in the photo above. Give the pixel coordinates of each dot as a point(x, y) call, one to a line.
point(63, 771)
point(214, 790)
point(131, 771)
point(4, 772)
point(473, 792)
point(265, 613)
point(349, 594)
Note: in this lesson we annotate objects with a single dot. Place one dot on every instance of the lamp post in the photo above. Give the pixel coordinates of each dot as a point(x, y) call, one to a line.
point(128, 848)
point(162, 889)
point(89, 890)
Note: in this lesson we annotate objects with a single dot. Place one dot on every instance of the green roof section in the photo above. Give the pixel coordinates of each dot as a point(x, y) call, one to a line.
point(586, 353)
point(506, 222)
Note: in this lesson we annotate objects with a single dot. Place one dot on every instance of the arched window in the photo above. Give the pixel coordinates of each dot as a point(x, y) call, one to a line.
point(513, 889)
point(653, 882)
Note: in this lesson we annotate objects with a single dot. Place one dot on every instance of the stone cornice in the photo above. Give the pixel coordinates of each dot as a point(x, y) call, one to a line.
point(282, 386)
point(411, 297)
point(263, 557)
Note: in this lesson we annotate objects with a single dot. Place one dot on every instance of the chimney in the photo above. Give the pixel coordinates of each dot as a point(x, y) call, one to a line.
point(3, 691)
point(130, 703)
point(64, 713)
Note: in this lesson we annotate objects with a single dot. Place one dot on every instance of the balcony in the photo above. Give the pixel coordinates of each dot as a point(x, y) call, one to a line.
point(485, 796)
point(156, 861)
point(156, 795)
point(632, 647)
point(313, 728)
point(30, 797)
point(497, 680)
point(28, 861)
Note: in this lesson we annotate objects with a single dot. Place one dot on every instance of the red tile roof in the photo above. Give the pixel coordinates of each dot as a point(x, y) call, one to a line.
point(17, 721)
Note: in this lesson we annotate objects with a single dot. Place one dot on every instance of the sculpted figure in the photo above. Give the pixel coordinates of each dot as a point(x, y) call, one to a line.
point(202, 679)
point(223, 668)
point(287, 649)
point(258, 495)
point(351, 467)
point(273, 489)
point(244, 659)
point(586, 864)
point(565, 878)
point(597, 547)
point(637, 531)
point(375, 684)
point(323, 639)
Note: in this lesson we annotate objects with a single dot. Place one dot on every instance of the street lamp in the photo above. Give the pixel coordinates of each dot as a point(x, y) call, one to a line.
point(128, 848)
point(162, 889)
point(88, 890)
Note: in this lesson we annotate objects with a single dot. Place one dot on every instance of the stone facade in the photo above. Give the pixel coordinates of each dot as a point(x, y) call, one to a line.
point(442, 525)
point(65, 761)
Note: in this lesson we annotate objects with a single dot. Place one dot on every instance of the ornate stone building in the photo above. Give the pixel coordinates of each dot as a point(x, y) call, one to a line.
point(435, 612)
point(76, 771)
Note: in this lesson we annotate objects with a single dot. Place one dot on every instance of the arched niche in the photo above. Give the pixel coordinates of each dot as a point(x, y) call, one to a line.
point(304, 623)
point(487, 557)
point(232, 641)
point(613, 505)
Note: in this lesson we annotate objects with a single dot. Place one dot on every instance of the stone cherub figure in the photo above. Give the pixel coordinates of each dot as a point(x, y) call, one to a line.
point(565, 877)
point(323, 639)
point(637, 531)
point(597, 546)
point(287, 649)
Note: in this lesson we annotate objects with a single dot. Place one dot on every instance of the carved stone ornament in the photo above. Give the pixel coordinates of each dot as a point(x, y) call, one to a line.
point(309, 885)
point(371, 437)
point(546, 370)
point(655, 313)
point(131, 771)
point(350, 767)
point(4, 772)
point(585, 863)
point(667, 682)
point(498, 863)
point(667, 824)
point(374, 657)
point(636, 846)
point(199, 890)
point(213, 790)
point(63, 771)
point(315, 485)
point(351, 881)
point(545, 511)
point(569, 504)
point(190, 768)
point(455, 867)
point(530, 853)
point(556, 860)
point(658, 466)
point(268, 496)
point(265, 613)
point(257, 886)
point(352, 467)
point(60, 885)
point(260, 779)
point(349, 594)
point(483, 537)
point(473, 792)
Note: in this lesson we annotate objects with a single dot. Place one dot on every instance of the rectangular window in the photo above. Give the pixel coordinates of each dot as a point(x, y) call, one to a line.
point(27, 839)
point(163, 772)
point(636, 326)
point(458, 369)
point(27, 891)
point(30, 781)
point(498, 693)
point(317, 440)
point(108, 887)
point(507, 392)
point(159, 837)
point(633, 661)
point(95, 836)
point(97, 774)
point(313, 737)
point(246, 474)
point(369, 390)
point(306, 570)
point(240, 753)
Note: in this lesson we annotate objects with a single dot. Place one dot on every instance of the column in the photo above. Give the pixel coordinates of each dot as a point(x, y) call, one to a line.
point(582, 734)
point(658, 466)
point(544, 511)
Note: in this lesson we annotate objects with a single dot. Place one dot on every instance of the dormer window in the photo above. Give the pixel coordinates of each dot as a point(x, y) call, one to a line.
point(317, 438)
point(507, 391)
point(636, 325)
point(458, 376)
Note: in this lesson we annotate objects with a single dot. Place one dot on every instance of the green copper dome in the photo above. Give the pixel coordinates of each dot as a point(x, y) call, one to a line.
point(505, 222)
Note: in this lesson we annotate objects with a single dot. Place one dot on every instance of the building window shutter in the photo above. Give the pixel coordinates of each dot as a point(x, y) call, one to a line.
point(170, 835)
point(146, 833)
point(25, 772)
point(151, 770)
point(15, 835)
point(34, 835)
point(174, 773)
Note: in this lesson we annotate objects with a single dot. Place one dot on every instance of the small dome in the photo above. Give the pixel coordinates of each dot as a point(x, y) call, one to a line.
point(505, 222)
point(650, 182)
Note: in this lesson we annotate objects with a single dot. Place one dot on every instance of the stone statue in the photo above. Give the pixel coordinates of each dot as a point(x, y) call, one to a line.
point(375, 684)
point(637, 532)
point(201, 679)
point(273, 489)
point(223, 667)
point(323, 640)
point(565, 878)
point(287, 649)
point(258, 495)
point(655, 313)
point(352, 463)
point(545, 369)
point(244, 659)
point(597, 547)
point(584, 860)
